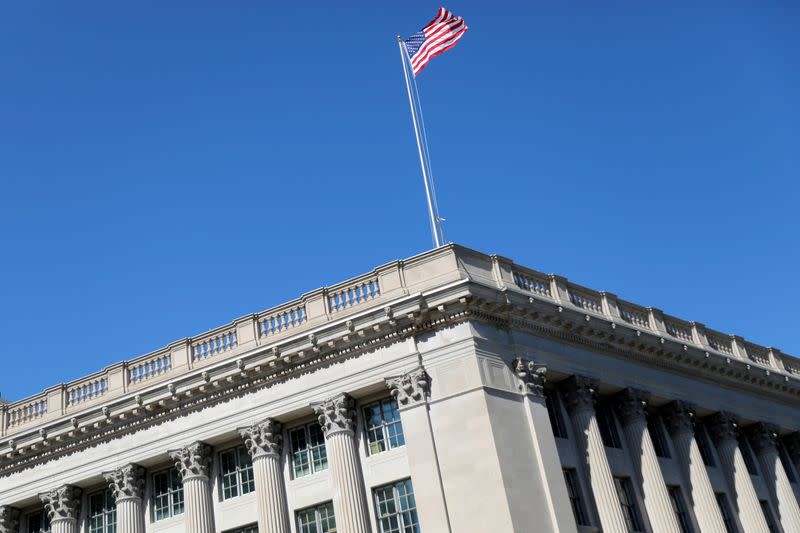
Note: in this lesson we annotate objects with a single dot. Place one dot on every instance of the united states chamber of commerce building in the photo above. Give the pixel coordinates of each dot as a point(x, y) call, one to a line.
point(452, 392)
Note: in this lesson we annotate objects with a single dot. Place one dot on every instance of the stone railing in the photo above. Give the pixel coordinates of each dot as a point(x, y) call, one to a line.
point(433, 269)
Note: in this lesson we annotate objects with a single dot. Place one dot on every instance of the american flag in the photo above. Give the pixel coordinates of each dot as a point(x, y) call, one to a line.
point(442, 33)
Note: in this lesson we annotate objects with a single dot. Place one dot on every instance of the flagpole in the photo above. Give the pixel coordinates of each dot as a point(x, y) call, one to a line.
point(435, 220)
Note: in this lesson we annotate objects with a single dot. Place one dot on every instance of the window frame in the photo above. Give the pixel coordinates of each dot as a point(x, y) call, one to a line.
point(250, 528)
point(308, 451)
point(400, 511)
point(769, 516)
point(243, 468)
point(317, 517)
point(553, 405)
point(384, 427)
point(727, 512)
point(748, 456)
point(173, 489)
point(575, 494)
point(43, 517)
point(607, 423)
point(630, 505)
point(680, 509)
point(107, 514)
point(704, 445)
point(658, 436)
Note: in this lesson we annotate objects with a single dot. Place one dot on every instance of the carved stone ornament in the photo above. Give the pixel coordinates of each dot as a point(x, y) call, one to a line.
point(723, 426)
point(763, 437)
point(679, 417)
point(532, 374)
point(630, 405)
point(9, 519)
point(126, 482)
point(193, 460)
point(62, 503)
point(263, 439)
point(336, 414)
point(579, 392)
point(410, 388)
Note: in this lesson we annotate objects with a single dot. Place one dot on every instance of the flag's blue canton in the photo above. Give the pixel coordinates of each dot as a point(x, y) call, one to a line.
point(414, 42)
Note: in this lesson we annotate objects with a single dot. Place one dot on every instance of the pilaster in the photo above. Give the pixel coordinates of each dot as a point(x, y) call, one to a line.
point(127, 486)
point(337, 418)
point(679, 421)
point(724, 429)
point(579, 394)
point(63, 508)
point(763, 438)
point(264, 442)
point(630, 405)
point(193, 463)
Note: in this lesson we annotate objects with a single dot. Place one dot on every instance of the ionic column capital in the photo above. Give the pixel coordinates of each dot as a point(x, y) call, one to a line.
point(763, 437)
point(630, 404)
point(126, 482)
point(264, 438)
point(723, 426)
point(532, 375)
point(411, 388)
point(62, 503)
point(193, 461)
point(9, 519)
point(579, 393)
point(336, 415)
point(679, 417)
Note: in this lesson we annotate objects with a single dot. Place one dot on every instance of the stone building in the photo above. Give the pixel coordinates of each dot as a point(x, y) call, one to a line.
point(450, 392)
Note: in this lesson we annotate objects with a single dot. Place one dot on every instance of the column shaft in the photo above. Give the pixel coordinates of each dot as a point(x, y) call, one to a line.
point(199, 507)
point(749, 508)
point(130, 515)
point(579, 395)
point(764, 440)
point(272, 513)
point(693, 469)
point(64, 525)
point(630, 405)
point(349, 500)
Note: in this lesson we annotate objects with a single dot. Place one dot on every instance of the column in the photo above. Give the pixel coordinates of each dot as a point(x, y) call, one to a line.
point(264, 442)
point(62, 505)
point(630, 405)
point(533, 377)
point(763, 438)
point(579, 396)
point(723, 428)
point(411, 392)
point(193, 463)
point(679, 417)
point(9, 519)
point(337, 418)
point(127, 485)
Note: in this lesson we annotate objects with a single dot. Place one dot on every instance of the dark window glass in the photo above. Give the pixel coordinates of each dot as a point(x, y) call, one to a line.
point(608, 428)
point(704, 444)
point(574, 492)
point(102, 512)
point(679, 508)
point(725, 511)
point(39, 522)
point(167, 494)
point(319, 519)
point(747, 455)
point(657, 435)
point(627, 500)
point(236, 471)
point(554, 412)
point(396, 508)
point(770, 518)
point(384, 429)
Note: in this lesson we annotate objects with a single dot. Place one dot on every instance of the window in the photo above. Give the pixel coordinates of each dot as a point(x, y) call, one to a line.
point(703, 443)
point(608, 429)
point(317, 519)
point(725, 511)
point(787, 463)
point(253, 528)
point(656, 430)
point(167, 494)
point(39, 522)
point(102, 512)
point(770, 518)
point(627, 501)
point(236, 469)
point(679, 508)
point(396, 508)
point(574, 492)
point(308, 450)
point(747, 455)
point(554, 412)
point(384, 430)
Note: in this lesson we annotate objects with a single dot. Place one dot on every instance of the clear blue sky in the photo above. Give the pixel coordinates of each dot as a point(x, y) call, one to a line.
point(168, 166)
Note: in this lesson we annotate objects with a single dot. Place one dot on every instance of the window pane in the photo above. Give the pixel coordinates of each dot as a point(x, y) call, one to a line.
point(574, 493)
point(383, 426)
point(396, 508)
